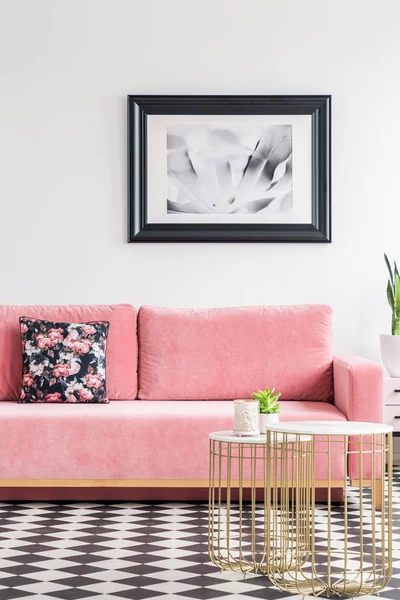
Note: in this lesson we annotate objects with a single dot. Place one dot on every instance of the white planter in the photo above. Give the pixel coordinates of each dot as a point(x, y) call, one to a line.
point(266, 420)
point(390, 350)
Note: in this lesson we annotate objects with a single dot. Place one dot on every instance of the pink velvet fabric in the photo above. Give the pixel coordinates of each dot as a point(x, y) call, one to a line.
point(228, 353)
point(358, 384)
point(124, 440)
point(121, 346)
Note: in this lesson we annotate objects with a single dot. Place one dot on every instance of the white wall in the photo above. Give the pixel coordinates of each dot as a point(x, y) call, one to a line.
point(66, 67)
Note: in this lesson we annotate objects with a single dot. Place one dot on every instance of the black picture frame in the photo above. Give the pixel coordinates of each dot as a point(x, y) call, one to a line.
point(317, 106)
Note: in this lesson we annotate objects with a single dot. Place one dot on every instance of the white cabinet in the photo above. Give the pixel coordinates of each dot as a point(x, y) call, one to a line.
point(391, 392)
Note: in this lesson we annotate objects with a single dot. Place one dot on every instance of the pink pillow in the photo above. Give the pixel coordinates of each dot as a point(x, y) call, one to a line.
point(227, 353)
point(121, 344)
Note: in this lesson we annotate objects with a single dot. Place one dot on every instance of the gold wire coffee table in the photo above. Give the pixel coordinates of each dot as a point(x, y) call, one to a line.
point(279, 532)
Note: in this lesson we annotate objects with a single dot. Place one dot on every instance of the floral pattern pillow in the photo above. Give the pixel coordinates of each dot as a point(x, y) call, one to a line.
point(63, 362)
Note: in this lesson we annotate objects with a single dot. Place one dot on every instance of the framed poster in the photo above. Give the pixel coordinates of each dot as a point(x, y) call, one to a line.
point(229, 168)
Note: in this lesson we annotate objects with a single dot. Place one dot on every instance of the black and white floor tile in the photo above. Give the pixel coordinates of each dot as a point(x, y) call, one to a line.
point(117, 551)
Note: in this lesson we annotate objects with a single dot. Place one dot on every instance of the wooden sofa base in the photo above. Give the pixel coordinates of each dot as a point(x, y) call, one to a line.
point(154, 483)
point(139, 490)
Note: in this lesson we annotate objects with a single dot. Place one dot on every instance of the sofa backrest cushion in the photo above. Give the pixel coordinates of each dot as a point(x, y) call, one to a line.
point(228, 353)
point(121, 345)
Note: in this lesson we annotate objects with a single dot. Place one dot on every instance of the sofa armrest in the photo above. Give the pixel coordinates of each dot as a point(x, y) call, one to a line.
point(358, 394)
point(358, 388)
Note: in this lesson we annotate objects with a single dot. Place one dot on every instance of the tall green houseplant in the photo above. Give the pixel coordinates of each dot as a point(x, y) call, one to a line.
point(393, 295)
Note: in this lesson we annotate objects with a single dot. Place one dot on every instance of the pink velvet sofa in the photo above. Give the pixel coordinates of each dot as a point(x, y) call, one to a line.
point(171, 376)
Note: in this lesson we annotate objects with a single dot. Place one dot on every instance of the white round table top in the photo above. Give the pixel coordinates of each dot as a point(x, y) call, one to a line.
point(306, 428)
point(231, 436)
point(331, 427)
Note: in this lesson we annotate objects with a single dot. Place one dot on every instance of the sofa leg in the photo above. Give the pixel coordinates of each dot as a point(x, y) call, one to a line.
point(378, 494)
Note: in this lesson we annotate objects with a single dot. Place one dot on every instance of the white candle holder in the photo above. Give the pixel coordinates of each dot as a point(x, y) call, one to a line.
point(246, 417)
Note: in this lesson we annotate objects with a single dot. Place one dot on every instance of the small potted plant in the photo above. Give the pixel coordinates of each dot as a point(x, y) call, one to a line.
point(269, 407)
point(390, 344)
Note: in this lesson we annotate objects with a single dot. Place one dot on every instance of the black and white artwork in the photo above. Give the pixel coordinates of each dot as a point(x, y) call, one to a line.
point(237, 169)
point(229, 168)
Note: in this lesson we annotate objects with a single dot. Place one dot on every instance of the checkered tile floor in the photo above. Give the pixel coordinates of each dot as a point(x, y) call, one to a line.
point(127, 551)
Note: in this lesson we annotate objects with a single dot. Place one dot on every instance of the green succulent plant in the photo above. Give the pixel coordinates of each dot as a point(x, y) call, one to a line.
point(393, 295)
point(268, 399)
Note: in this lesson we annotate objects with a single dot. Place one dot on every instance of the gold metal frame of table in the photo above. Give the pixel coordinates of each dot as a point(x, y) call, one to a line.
point(277, 534)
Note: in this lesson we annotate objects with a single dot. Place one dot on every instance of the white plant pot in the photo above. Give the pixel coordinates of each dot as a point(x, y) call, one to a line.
point(390, 350)
point(266, 420)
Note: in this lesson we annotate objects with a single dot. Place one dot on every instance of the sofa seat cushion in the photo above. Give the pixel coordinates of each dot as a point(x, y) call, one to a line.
point(228, 353)
point(123, 440)
point(121, 344)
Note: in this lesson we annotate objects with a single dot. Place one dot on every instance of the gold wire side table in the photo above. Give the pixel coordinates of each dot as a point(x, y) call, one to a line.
point(238, 532)
point(263, 515)
point(353, 555)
